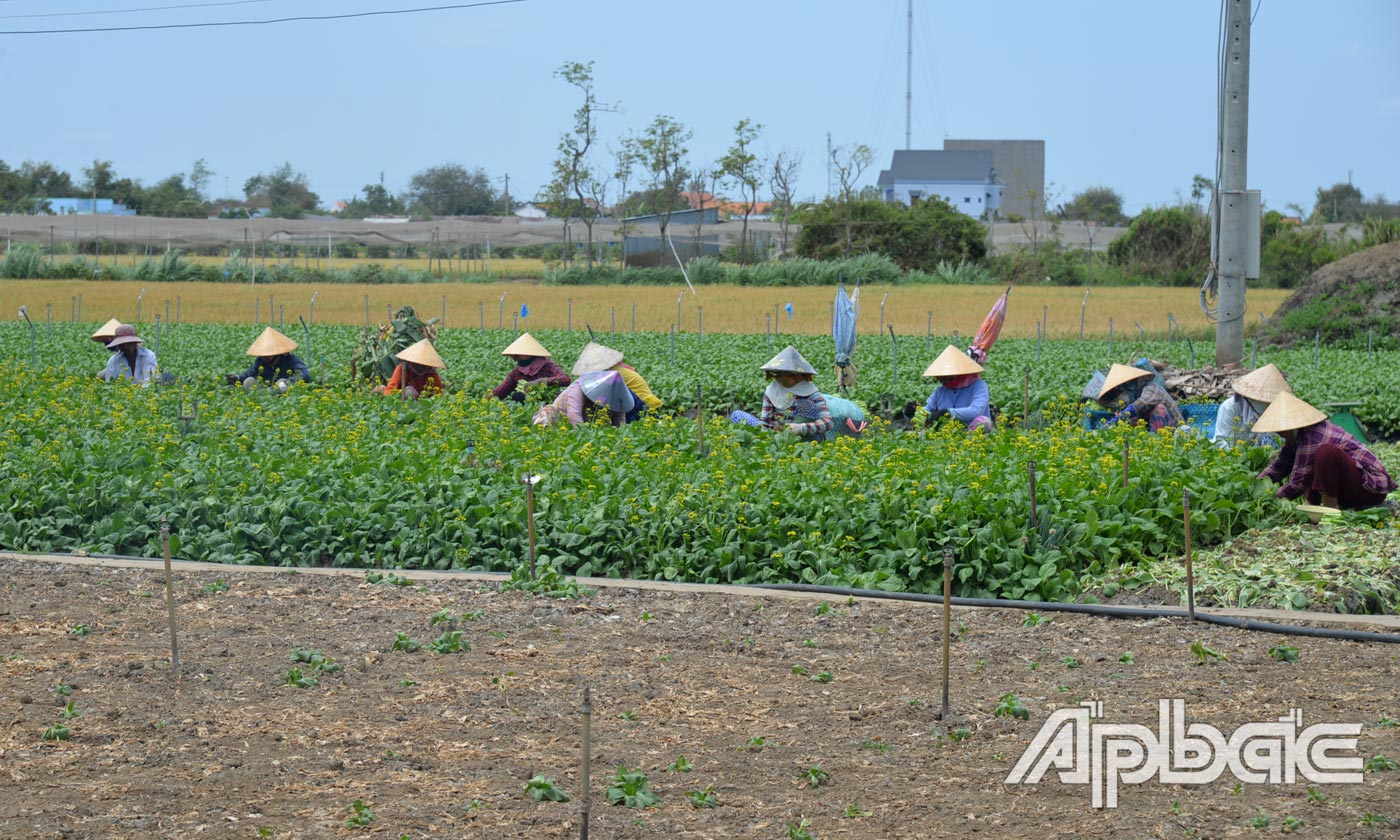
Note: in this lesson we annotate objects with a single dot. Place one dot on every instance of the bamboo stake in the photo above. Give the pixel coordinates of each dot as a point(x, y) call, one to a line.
point(1190, 577)
point(947, 624)
point(170, 597)
point(585, 803)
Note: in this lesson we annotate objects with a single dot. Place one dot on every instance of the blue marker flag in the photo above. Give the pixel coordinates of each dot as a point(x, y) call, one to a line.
point(789, 311)
point(524, 311)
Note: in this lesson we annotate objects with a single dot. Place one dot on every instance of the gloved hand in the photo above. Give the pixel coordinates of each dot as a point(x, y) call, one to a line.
point(935, 415)
point(910, 408)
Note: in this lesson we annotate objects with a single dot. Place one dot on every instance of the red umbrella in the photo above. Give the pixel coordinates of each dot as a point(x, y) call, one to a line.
point(991, 326)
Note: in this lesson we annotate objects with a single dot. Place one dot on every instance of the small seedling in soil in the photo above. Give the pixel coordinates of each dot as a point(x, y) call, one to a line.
point(1315, 795)
point(798, 830)
point(1204, 654)
point(1237, 789)
point(645, 616)
point(809, 643)
point(1176, 807)
point(63, 689)
point(69, 712)
point(407, 683)
point(473, 615)
point(476, 805)
point(854, 811)
point(1069, 662)
point(1259, 820)
point(543, 788)
point(1284, 653)
point(823, 677)
point(498, 634)
point(404, 643)
point(824, 608)
point(296, 678)
point(1031, 666)
point(757, 742)
point(681, 765)
point(703, 798)
point(1034, 620)
point(959, 631)
point(1387, 722)
point(979, 666)
point(627, 715)
point(814, 776)
point(916, 703)
point(1291, 824)
point(80, 630)
point(631, 788)
point(264, 831)
point(317, 660)
point(874, 744)
point(1377, 763)
point(374, 577)
point(1370, 820)
point(449, 642)
point(1010, 706)
point(960, 735)
point(1127, 658)
point(219, 585)
point(800, 670)
point(362, 814)
point(57, 732)
point(442, 616)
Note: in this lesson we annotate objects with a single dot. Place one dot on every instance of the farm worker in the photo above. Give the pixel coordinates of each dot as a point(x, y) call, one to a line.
point(533, 366)
point(961, 394)
point(416, 373)
point(791, 402)
point(1253, 393)
point(596, 357)
point(1322, 460)
point(130, 359)
point(274, 363)
point(1140, 398)
point(106, 332)
point(587, 395)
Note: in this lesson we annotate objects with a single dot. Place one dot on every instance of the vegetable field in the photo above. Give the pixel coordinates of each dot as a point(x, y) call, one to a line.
point(331, 475)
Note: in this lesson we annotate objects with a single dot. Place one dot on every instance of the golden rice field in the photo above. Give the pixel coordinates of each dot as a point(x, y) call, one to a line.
point(911, 310)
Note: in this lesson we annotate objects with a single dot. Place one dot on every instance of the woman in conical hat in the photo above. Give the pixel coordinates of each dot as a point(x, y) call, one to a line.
point(791, 403)
point(1135, 397)
point(599, 390)
point(416, 373)
point(533, 366)
point(274, 363)
point(961, 393)
point(1322, 460)
point(130, 358)
point(1253, 392)
point(106, 332)
point(597, 357)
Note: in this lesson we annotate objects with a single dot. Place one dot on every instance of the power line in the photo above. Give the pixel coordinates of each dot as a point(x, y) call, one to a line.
point(260, 22)
point(128, 11)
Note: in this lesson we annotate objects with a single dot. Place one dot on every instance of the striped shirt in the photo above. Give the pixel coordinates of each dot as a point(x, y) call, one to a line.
point(812, 410)
point(1295, 460)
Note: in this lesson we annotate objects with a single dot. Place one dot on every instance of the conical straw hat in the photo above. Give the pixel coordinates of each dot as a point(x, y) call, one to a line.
point(1264, 384)
point(107, 331)
point(952, 362)
point(1117, 375)
point(1286, 413)
point(789, 361)
point(525, 345)
point(422, 353)
point(271, 343)
point(596, 357)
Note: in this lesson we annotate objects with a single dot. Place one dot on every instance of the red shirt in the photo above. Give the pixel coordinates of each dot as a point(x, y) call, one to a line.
point(429, 382)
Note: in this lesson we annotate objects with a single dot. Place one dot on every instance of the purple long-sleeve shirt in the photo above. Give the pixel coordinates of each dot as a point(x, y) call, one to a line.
point(541, 367)
point(1295, 460)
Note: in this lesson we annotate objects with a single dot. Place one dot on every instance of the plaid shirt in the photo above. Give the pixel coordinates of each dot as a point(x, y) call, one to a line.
point(542, 367)
point(1295, 460)
point(1154, 405)
point(812, 410)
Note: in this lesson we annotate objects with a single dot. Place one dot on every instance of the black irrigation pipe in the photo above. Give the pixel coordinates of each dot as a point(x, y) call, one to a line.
point(1096, 609)
point(1104, 610)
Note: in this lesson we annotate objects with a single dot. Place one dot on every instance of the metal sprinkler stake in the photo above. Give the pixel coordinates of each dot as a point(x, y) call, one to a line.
point(585, 804)
point(187, 419)
point(33, 350)
point(1032, 474)
point(170, 597)
point(529, 482)
point(700, 420)
point(947, 624)
point(1190, 577)
point(1125, 462)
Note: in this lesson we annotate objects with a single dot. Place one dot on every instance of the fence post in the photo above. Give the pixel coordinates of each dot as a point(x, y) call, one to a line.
point(700, 322)
point(1082, 306)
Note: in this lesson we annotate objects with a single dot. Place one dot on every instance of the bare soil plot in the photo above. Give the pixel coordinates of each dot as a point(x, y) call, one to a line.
point(441, 745)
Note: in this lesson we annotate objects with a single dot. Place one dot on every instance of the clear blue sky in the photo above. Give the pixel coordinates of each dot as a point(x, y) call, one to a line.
point(1123, 93)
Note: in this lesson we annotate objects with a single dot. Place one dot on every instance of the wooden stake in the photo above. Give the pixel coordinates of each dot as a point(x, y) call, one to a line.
point(170, 598)
point(585, 804)
point(1125, 462)
point(947, 624)
point(1032, 472)
point(700, 420)
point(1190, 577)
point(530, 519)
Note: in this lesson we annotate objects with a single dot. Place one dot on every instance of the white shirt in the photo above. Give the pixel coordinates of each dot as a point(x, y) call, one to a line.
point(117, 367)
point(1233, 423)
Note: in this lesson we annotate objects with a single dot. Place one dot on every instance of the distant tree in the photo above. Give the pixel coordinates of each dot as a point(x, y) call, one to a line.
point(200, 176)
point(98, 178)
point(1095, 204)
point(171, 197)
point(624, 165)
point(1338, 203)
point(849, 162)
point(451, 190)
point(661, 151)
point(742, 168)
point(702, 183)
point(1202, 188)
point(377, 201)
point(572, 170)
point(1167, 244)
point(782, 181)
point(920, 236)
point(285, 192)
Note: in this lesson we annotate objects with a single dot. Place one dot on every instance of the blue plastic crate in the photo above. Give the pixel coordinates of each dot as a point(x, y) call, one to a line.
point(1200, 417)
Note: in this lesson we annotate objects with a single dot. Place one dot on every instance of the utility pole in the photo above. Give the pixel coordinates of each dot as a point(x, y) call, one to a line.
point(909, 80)
point(1231, 200)
point(828, 164)
point(507, 193)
